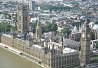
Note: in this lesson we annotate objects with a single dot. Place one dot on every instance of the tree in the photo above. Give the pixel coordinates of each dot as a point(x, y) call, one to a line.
point(96, 44)
point(6, 27)
point(45, 29)
point(96, 22)
point(13, 28)
point(33, 26)
point(54, 27)
point(50, 27)
point(66, 32)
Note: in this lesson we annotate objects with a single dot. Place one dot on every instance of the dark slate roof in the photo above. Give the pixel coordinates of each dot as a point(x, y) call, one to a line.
point(69, 42)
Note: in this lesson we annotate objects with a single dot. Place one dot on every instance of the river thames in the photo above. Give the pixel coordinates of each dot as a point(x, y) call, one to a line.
point(11, 60)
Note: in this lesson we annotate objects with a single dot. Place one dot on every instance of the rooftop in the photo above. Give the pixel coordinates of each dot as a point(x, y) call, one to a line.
point(69, 50)
point(95, 27)
point(7, 35)
point(36, 46)
point(69, 42)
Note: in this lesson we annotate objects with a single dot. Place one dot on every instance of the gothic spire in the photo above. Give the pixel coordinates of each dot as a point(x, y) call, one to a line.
point(38, 30)
point(86, 23)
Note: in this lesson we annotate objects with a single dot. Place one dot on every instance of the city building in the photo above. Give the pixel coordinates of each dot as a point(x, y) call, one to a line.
point(48, 53)
point(32, 5)
point(23, 18)
point(53, 52)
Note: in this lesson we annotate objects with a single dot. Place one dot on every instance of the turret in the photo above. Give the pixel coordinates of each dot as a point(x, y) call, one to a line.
point(45, 47)
point(38, 30)
point(85, 44)
point(23, 18)
point(0, 37)
point(31, 42)
point(14, 35)
point(61, 43)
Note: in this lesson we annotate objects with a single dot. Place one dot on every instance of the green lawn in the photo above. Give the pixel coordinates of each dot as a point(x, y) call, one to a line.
point(96, 44)
point(95, 58)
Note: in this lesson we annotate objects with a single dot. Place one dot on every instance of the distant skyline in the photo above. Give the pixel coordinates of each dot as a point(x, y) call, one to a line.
point(30, 0)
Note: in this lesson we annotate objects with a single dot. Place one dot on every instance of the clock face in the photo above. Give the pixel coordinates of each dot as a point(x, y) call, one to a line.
point(83, 36)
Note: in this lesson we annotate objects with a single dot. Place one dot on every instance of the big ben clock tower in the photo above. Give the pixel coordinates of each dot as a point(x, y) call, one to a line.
point(85, 45)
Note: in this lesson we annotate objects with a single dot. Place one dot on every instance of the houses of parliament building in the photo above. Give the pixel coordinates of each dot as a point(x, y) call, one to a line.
point(45, 50)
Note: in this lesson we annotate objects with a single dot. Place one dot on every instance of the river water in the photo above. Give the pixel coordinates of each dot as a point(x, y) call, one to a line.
point(11, 60)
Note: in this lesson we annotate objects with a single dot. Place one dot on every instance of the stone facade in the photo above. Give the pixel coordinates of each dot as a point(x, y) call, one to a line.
point(49, 56)
point(85, 45)
point(38, 30)
point(23, 18)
